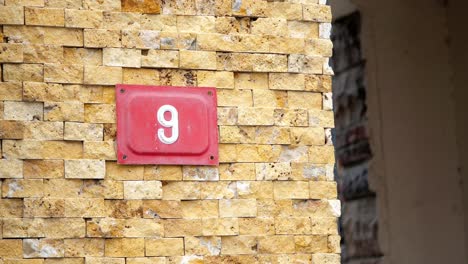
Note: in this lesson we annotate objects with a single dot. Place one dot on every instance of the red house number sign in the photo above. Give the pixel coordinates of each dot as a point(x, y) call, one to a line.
point(166, 125)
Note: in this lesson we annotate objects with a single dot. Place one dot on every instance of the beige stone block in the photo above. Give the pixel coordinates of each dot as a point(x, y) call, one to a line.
point(142, 190)
point(11, 52)
point(110, 227)
point(218, 190)
point(267, 98)
point(285, 10)
point(102, 189)
point(316, 208)
point(89, 207)
point(276, 244)
point(146, 260)
point(194, 173)
point(64, 111)
point(227, 153)
point(99, 113)
point(140, 76)
point(64, 260)
point(102, 75)
point(163, 173)
point(253, 116)
point(236, 245)
point(105, 5)
point(102, 38)
point(23, 2)
point(11, 248)
point(174, 77)
point(202, 246)
point(286, 45)
point(72, 37)
point(227, 115)
point(311, 171)
point(83, 18)
point(241, 98)
point(334, 245)
point(303, 29)
point(11, 91)
point(322, 154)
point(63, 188)
point(286, 81)
point(43, 169)
point(141, 39)
point(84, 247)
point(223, 8)
point(146, 6)
point(238, 208)
point(256, 226)
point(311, 244)
point(43, 248)
point(162, 209)
point(82, 56)
point(181, 190)
point(299, 63)
point(305, 100)
point(251, 80)
point(182, 227)
point(24, 35)
point(164, 247)
point(118, 172)
point(23, 72)
point(106, 260)
point(70, 4)
point(19, 188)
point(166, 23)
point(61, 73)
point(291, 190)
point(121, 21)
point(254, 190)
point(319, 118)
point(125, 247)
point(308, 136)
point(317, 13)
point(52, 92)
point(44, 207)
point(200, 209)
point(237, 171)
point(318, 83)
point(257, 153)
point(196, 24)
point(235, 134)
point(197, 60)
point(291, 117)
point(319, 47)
point(44, 16)
point(324, 225)
point(232, 25)
point(293, 226)
point(160, 59)
point(10, 129)
point(293, 153)
point(110, 132)
point(216, 79)
point(25, 111)
point(11, 168)
point(99, 150)
point(23, 227)
point(272, 135)
point(85, 169)
point(323, 190)
point(11, 15)
point(249, 8)
point(121, 57)
point(233, 42)
point(124, 208)
point(64, 228)
point(270, 63)
point(235, 62)
point(270, 26)
point(83, 131)
point(220, 226)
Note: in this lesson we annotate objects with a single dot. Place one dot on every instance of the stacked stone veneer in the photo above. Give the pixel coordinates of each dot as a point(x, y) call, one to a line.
point(65, 200)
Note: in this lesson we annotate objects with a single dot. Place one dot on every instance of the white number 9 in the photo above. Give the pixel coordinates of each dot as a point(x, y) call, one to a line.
point(172, 123)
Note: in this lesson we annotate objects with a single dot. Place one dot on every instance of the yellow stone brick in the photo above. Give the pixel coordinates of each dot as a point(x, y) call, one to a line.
point(305, 100)
point(105, 150)
point(164, 247)
point(272, 135)
point(11, 129)
point(12, 248)
point(11, 208)
point(251, 81)
point(286, 45)
point(285, 10)
point(99, 113)
point(270, 26)
point(220, 226)
point(218, 190)
point(106, 5)
point(118, 172)
point(322, 154)
point(64, 111)
point(199, 209)
point(197, 60)
point(291, 190)
point(83, 131)
point(23, 72)
point(19, 188)
point(227, 115)
point(146, 6)
point(11, 91)
point(43, 169)
point(286, 81)
point(323, 190)
point(194, 173)
point(142, 190)
point(89, 207)
point(236, 61)
point(291, 117)
point(85, 169)
point(276, 244)
point(178, 77)
point(140, 76)
point(223, 8)
point(23, 261)
point(83, 18)
point(11, 169)
point(196, 24)
point(238, 208)
point(36, 91)
point(61, 73)
point(82, 56)
point(11, 15)
point(256, 226)
point(160, 59)
point(317, 13)
point(249, 8)
point(11, 52)
point(240, 98)
point(141, 39)
point(316, 208)
point(129, 58)
point(252, 116)
point(72, 37)
point(232, 25)
point(102, 189)
point(311, 244)
point(182, 227)
point(319, 47)
point(121, 20)
point(334, 245)
point(23, 227)
point(257, 153)
point(162, 209)
point(106, 260)
point(102, 75)
point(324, 225)
point(125, 247)
point(220, 79)
point(44, 16)
point(308, 136)
point(29, 149)
point(254, 190)
point(163, 173)
point(237, 171)
point(303, 29)
point(102, 38)
point(181, 190)
point(270, 63)
point(64, 260)
point(124, 208)
point(236, 245)
point(25, 111)
point(299, 63)
point(296, 226)
point(320, 118)
point(167, 23)
point(267, 98)
point(202, 246)
point(43, 248)
point(84, 247)
point(62, 188)
point(24, 2)
point(64, 227)
point(146, 260)
point(110, 227)
point(236, 134)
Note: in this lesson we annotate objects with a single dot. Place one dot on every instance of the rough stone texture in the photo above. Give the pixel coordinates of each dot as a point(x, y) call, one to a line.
point(64, 198)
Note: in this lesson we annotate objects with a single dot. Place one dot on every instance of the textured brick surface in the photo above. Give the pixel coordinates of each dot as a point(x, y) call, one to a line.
point(64, 199)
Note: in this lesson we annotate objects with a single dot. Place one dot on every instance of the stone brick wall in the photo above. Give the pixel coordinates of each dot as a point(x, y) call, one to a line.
point(64, 199)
